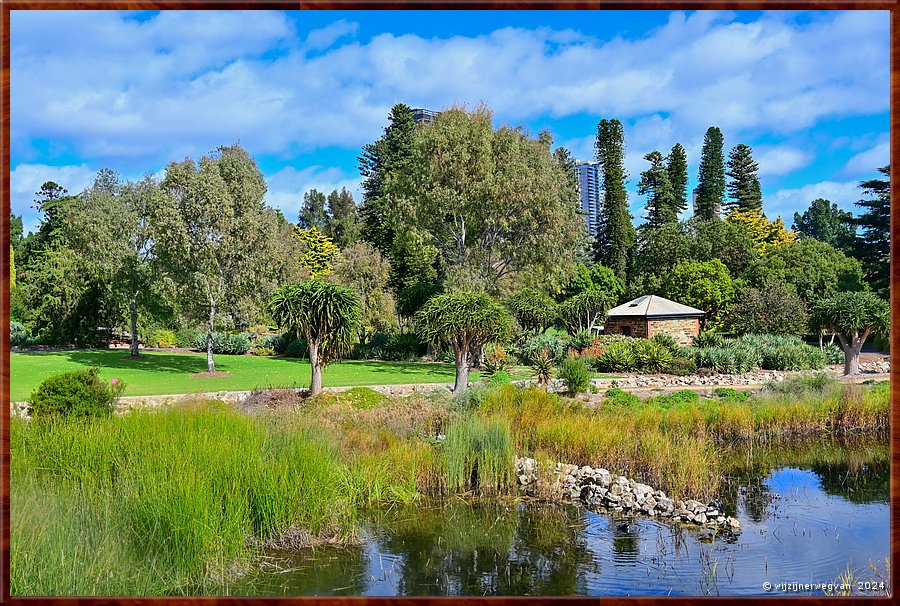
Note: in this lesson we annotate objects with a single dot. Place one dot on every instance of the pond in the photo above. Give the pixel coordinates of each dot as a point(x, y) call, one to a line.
point(807, 512)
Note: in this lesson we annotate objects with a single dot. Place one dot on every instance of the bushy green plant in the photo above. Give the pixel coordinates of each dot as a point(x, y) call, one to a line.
point(617, 357)
point(679, 398)
point(666, 341)
point(404, 346)
point(801, 384)
point(682, 367)
point(186, 337)
point(161, 337)
point(575, 374)
point(542, 367)
point(225, 343)
point(616, 397)
point(497, 379)
point(79, 393)
point(290, 347)
point(19, 336)
point(534, 346)
point(363, 397)
point(263, 352)
point(651, 356)
point(834, 354)
point(582, 339)
point(793, 357)
point(726, 360)
point(730, 394)
point(468, 400)
point(708, 339)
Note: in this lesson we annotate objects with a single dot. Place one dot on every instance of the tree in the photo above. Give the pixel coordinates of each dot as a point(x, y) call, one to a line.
point(615, 234)
point(677, 168)
point(378, 160)
point(743, 187)
point(216, 237)
point(16, 235)
point(362, 269)
point(705, 285)
point(873, 245)
point(533, 309)
point(113, 233)
point(711, 185)
point(342, 226)
point(465, 321)
point(12, 268)
point(582, 311)
point(853, 316)
point(824, 221)
point(814, 269)
point(320, 251)
point(774, 309)
point(662, 205)
point(494, 204)
point(327, 315)
point(566, 161)
point(312, 213)
point(767, 235)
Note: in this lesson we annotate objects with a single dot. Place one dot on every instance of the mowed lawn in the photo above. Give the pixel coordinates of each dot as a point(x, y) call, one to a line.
point(170, 373)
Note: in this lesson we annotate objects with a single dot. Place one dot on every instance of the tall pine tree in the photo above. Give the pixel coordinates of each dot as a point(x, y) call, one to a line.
point(655, 184)
point(615, 234)
point(677, 168)
point(873, 245)
point(743, 187)
point(378, 159)
point(711, 186)
point(312, 212)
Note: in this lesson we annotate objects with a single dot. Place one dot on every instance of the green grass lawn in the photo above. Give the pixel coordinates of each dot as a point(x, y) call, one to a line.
point(169, 373)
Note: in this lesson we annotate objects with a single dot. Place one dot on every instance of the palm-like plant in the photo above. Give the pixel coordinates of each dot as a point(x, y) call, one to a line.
point(853, 316)
point(326, 314)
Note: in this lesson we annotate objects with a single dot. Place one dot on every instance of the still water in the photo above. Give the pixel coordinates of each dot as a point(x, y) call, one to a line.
point(806, 512)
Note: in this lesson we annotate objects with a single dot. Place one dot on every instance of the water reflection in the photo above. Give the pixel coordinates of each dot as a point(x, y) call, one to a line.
point(806, 513)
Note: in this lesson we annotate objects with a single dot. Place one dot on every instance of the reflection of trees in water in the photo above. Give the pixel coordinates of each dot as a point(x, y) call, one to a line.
point(855, 468)
point(481, 549)
point(322, 571)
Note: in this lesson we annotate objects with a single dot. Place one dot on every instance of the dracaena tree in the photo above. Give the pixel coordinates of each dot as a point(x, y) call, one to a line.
point(326, 314)
point(853, 316)
point(534, 310)
point(465, 321)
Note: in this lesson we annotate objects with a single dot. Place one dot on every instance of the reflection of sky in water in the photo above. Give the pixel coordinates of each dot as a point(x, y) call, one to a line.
point(802, 535)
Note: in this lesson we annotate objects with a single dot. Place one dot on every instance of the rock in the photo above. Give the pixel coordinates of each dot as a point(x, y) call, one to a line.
point(665, 504)
point(523, 479)
point(650, 503)
point(701, 518)
point(692, 505)
point(732, 522)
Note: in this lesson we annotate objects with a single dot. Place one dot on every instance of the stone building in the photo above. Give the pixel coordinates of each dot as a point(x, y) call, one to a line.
point(652, 314)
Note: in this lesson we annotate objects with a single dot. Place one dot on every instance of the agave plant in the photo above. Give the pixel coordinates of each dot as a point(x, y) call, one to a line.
point(542, 366)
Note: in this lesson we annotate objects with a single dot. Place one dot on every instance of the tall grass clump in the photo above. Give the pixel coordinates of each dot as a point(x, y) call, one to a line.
point(478, 454)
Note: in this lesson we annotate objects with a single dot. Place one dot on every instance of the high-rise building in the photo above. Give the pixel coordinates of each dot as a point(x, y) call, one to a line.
point(591, 192)
point(424, 116)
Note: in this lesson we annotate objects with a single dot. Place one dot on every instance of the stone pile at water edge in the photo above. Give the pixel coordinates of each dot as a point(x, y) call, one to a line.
point(598, 488)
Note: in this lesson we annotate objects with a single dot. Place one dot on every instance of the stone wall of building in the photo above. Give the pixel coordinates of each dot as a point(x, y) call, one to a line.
point(683, 330)
point(637, 325)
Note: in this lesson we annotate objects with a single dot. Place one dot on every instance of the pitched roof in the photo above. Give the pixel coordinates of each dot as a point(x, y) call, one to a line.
point(654, 305)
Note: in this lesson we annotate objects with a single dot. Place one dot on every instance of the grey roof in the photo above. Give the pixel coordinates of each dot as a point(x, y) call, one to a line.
point(654, 306)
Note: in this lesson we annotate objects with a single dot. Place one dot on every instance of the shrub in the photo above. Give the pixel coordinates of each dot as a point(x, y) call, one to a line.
point(616, 397)
point(651, 356)
point(161, 337)
point(79, 394)
point(289, 347)
point(263, 351)
point(793, 357)
point(582, 339)
point(470, 399)
point(536, 345)
point(494, 360)
point(542, 366)
point(834, 354)
point(223, 343)
point(403, 346)
point(708, 339)
point(666, 341)
point(575, 374)
point(682, 367)
point(801, 384)
point(726, 360)
point(732, 395)
point(497, 379)
point(678, 398)
point(617, 357)
point(363, 397)
point(186, 337)
point(18, 335)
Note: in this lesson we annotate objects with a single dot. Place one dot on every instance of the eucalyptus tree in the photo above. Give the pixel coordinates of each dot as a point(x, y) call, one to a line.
point(853, 316)
point(465, 321)
point(327, 315)
point(216, 237)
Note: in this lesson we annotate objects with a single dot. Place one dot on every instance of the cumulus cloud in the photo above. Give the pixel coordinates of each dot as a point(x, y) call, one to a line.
point(864, 164)
point(119, 88)
point(786, 202)
point(780, 160)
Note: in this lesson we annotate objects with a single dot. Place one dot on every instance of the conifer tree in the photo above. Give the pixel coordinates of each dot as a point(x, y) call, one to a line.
point(615, 233)
point(655, 184)
point(711, 186)
point(677, 167)
point(743, 187)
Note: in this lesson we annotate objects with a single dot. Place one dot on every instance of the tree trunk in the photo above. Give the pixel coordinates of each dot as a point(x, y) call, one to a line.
point(132, 307)
point(852, 347)
point(210, 362)
point(315, 384)
point(821, 341)
point(462, 370)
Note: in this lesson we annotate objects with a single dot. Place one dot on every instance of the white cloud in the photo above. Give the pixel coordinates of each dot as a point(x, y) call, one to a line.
point(786, 202)
point(287, 186)
point(866, 163)
point(187, 82)
point(26, 179)
point(780, 160)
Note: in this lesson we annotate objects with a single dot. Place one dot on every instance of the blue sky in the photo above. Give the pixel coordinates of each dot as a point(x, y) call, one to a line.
point(303, 91)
